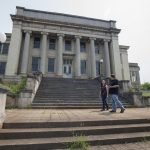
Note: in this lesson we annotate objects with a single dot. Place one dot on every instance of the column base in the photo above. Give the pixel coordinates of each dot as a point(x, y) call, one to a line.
point(77, 77)
point(59, 76)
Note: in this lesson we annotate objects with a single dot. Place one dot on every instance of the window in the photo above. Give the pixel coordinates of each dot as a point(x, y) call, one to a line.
point(82, 46)
point(0, 46)
point(2, 67)
point(36, 42)
point(97, 68)
point(83, 66)
point(121, 59)
point(51, 64)
point(67, 61)
point(4, 48)
point(96, 48)
point(133, 76)
point(52, 44)
point(68, 45)
point(35, 64)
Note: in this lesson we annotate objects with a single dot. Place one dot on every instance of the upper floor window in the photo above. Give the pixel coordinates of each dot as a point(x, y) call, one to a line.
point(4, 48)
point(2, 67)
point(68, 45)
point(83, 66)
point(98, 68)
point(52, 44)
point(36, 43)
point(82, 46)
point(97, 49)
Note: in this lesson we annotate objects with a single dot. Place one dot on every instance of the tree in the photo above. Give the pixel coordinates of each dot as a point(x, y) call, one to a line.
point(145, 86)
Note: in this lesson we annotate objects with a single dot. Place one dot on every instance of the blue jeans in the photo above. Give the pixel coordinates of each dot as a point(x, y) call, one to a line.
point(104, 100)
point(116, 102)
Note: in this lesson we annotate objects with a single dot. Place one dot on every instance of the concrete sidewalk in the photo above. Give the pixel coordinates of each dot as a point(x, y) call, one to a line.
point(128, 146)
point(54, 115)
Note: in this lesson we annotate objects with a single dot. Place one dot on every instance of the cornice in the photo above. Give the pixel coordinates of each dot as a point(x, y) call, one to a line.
point(62, 14)
point(64, 24)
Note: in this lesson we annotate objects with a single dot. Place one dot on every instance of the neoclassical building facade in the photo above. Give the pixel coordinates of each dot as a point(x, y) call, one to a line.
point(61, 45)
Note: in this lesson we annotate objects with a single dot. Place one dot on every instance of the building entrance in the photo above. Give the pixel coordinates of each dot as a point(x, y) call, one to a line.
point(67, 68)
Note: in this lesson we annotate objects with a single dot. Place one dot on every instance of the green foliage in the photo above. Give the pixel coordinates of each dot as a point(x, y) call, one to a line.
point(80, 143)
point(145, 86)
point(131, 90)
point(146, 94)
point(13, 87)
point(3, 86)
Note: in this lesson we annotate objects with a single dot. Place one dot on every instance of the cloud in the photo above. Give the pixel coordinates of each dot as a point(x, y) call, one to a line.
point(107, 13)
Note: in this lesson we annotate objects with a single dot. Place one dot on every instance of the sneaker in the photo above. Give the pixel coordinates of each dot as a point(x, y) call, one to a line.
point(112, 111)
point(102, 109)
point(122, 110)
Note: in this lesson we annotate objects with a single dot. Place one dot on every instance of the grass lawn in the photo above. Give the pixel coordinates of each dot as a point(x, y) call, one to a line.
point(146, 94)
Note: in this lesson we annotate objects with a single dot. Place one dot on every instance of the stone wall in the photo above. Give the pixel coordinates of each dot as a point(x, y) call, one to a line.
point(26, 96)
point(146, 101)
point(2, 108)
point(134, 98)
point(12, 101)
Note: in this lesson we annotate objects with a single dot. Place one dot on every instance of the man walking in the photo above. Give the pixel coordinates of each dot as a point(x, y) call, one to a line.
point(113, 90)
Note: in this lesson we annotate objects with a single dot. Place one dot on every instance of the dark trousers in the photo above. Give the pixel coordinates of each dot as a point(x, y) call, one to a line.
point(105, 104)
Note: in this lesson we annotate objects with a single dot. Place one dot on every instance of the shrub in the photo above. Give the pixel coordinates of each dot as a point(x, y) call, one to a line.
point(13, 87)
point(145, 86)
point(80, 143)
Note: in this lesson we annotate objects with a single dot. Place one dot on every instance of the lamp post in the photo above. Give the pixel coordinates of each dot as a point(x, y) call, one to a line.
point(101, 62)
point(2, 37)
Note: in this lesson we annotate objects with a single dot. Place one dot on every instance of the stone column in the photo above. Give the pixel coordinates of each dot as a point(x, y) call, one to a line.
point(138, 77)
point(59, 55)
point(14, 52)
point(25, 55)
point(106, 59)
point(93, 60)
point(44, 52)
point(115, 57)
point(77, 58)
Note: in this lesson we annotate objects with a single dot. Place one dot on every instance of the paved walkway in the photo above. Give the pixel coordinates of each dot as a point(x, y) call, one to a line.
point(53, 115)
point(129, 146)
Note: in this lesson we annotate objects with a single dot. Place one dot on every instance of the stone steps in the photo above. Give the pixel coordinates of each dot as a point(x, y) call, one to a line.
point(26, 125)
point(59, 135)
point(71, 131)
point(63, 143)
point(73, 107)
point(67, 104)
point(66, 93)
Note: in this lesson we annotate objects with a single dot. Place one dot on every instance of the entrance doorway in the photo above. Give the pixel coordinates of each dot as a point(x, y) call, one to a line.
point(67, 68)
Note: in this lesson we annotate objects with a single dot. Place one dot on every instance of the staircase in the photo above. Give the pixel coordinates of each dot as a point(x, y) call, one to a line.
point(59, 135)
point(68, 93)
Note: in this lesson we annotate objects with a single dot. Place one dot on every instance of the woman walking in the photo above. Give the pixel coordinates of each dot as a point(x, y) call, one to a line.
point(104, 94)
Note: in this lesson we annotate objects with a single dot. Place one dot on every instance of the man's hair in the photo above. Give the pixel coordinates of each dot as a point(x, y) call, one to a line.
point(113, 75)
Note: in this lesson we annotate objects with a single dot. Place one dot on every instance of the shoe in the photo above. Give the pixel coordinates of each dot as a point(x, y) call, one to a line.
point(102, 109)
point(112, 111)
point(122, 110)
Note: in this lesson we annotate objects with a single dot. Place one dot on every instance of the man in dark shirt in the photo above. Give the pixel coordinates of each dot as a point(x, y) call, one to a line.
point(113, 91)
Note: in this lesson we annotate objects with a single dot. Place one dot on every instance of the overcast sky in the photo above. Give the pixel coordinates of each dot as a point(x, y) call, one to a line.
point(132, 16)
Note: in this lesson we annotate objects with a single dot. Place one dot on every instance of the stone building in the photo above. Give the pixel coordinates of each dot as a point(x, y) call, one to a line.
point(61, 45)
point(134, 74)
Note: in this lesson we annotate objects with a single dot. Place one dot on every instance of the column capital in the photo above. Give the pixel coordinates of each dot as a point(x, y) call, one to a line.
point(77, 36)
point(44, 33)
point(27, 31)
point(106, 40)
point(60, 34)
point(92, 38)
